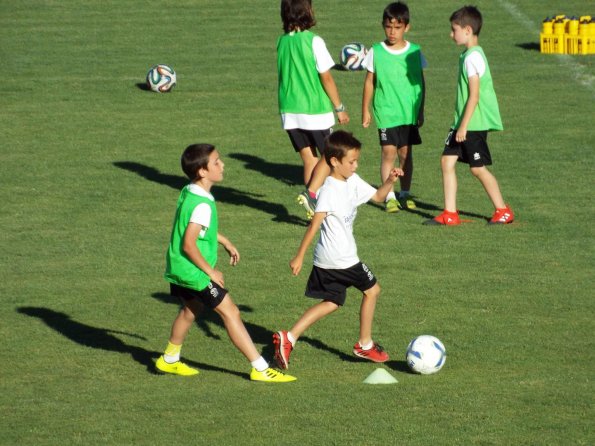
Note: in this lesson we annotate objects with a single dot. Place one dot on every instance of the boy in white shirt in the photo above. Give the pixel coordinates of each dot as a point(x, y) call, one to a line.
point(336, 263)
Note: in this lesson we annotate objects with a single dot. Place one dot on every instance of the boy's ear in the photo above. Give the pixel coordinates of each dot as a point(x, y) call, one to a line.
point(334, 161)
point(407, 28)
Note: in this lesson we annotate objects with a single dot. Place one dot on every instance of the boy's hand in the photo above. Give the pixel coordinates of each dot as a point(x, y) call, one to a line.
point(461, 135)
point(234, 255)
point(366, 119)
point(343, 117)
point(217, 277)
point(296, 265)
point(395, 173)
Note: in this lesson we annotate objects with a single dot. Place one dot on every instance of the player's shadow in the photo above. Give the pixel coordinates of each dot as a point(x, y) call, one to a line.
point(289, 174)
point(259, 334)
point(106, 339)
point(531, 46)
point(423, 209)
point(222, 193)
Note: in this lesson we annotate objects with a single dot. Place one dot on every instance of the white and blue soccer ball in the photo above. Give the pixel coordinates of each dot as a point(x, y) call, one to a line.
point(425, 355)
point(161, 78)
point(352, 55)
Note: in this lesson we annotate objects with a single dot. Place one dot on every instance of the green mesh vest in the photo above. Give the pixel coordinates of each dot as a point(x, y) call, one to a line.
point(487, 114)
point(179, 268)
point(300, 89)
point(398, 89)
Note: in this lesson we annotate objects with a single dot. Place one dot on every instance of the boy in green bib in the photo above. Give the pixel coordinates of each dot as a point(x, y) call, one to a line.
point(191, 260)
point(476, 114)
point(395, 85)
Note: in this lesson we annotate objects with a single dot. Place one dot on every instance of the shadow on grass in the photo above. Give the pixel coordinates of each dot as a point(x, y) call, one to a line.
point(105, 339)
point(289, 174)
point(532, 46)
point(258, 333)
point(428, 210)
point(221, 193)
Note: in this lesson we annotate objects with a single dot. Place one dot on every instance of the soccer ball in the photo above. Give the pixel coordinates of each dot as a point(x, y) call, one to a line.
point(161, 78)
point(352, 56)
point(426, 355)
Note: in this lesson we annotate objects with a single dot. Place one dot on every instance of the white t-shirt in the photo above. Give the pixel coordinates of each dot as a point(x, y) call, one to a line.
point(336, 248)
point(324, 62)
point(474, 64)
point(368, 62)
point(201, 215)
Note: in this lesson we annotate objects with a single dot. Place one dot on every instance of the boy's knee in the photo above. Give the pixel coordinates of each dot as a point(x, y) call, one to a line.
point(373, 292)
point(478, 171)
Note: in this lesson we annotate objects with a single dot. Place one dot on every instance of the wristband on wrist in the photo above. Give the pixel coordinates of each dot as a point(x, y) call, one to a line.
point(340, 108)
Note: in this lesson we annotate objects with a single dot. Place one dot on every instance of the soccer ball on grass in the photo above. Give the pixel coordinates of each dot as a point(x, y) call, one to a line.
point(161, 78)
point(426, 355)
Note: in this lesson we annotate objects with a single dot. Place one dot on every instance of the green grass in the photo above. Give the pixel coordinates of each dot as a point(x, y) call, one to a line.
point(88, 183)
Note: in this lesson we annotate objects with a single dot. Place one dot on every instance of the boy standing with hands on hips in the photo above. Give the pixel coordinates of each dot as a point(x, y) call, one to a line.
point(476, 114)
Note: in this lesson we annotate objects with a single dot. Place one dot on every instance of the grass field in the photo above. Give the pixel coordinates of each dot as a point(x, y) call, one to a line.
point(89, 180)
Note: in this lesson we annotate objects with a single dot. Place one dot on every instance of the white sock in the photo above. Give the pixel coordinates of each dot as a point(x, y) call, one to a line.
point(291, 338)
point(368, 346)
point(260, 364)
point(390, 196)
point(404, 194)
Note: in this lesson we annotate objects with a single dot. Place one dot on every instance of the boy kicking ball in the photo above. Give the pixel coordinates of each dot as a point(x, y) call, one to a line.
point(336, 263)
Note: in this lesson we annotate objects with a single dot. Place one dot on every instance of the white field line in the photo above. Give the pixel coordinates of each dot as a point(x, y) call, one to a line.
point(579, 72)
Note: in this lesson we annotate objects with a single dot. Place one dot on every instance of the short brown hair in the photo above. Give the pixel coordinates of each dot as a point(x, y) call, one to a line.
point(338, 144)
point(468, 16)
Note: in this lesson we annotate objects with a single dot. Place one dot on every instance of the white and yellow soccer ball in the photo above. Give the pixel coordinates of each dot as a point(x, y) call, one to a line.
point(352, 55)
point(161, 78)
point(425, 355)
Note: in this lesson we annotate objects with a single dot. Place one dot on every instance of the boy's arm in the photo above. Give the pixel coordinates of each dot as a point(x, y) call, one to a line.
point(387, 186)
point(234, 255)
point(472, 101)
point(367, 98)
point(328, 83)
point(296, 263)
point(194, 254)
point(420, 117)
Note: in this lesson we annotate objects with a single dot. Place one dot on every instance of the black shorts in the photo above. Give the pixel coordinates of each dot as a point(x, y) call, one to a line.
point(473, 151)
point(315, 139)
point(332, 284)
point(400, 136)
point(211, 296)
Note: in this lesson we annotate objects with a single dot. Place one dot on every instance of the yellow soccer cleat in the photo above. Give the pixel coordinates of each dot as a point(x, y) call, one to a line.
point(176, 368)
point(270, 376)
point(391, 206)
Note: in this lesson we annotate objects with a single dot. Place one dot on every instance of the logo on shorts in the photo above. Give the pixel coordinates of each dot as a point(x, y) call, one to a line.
point(213, 291)
point(368, 272)
point(383, 136)
point(476, 156)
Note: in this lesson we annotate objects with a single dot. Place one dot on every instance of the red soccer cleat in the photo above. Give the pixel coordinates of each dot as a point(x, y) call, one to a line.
point(446, 218)
point(283, 348)
point(502, 216)
point(376, 353)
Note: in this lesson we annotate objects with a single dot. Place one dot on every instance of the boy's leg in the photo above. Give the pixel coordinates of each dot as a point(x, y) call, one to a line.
point(449, 182)
point(406, 163)
point(366, 347)
point(490, 184)
point(311, 316)
point(170, 362)
point(366, 315)
point(319, 174)
point(502, 214)
point(388, 157)
point(310, 160)
point(284, 341)
point(230, 314)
